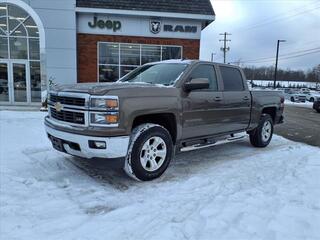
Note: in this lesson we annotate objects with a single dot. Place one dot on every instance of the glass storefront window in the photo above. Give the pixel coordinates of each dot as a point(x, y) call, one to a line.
point(19, 82)
point(109, 53)
point(130, 54)
point(35, 80)
point(4, 90)
point(18, 48)
point(34, 53)
point(150, 53)
point(3, 9)
point(112, 66)
point(171, 53)
point(126, 69)
point(108, 73)
point(3, 25)
point(3, 47)
point(17, 12)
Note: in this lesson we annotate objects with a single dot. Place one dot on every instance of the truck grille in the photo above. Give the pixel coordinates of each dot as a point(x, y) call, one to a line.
point(72, 101)
point(68, 116)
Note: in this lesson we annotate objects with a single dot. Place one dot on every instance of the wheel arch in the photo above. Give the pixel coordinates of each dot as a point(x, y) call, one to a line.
point(166, 120)
point(272, 111)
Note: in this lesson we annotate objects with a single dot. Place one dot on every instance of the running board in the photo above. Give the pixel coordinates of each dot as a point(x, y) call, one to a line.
point(232, 138)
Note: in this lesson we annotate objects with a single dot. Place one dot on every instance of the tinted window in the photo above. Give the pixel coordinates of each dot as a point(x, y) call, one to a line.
point(206, 71)
point(232, 79)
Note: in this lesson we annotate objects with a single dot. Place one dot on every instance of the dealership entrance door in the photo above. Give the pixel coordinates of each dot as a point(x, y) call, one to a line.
point(15, 87)
point(20, 72)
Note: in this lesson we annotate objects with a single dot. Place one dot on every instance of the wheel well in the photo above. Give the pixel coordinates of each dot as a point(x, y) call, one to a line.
point(271, 111)
point(166, 120)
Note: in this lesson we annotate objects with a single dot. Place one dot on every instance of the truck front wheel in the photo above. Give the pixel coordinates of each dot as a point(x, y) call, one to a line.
point(262, 135)
point(149, 153)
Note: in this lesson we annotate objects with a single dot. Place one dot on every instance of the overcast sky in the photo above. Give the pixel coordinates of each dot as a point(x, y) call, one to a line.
point(256, 25)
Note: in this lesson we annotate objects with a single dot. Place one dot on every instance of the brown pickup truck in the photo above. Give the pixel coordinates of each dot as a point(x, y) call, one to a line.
point(157, 110)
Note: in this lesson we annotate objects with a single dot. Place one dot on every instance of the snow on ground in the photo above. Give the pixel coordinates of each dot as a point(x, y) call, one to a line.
point(299, 104)
point(231, 191)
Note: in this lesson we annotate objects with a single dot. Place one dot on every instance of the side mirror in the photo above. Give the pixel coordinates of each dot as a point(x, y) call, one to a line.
point(197, 83)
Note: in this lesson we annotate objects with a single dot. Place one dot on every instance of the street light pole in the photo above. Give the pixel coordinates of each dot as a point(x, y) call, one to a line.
point(276, 68)
point(212, 56)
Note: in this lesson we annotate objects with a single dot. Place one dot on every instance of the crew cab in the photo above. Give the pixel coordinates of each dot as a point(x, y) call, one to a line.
point(158, 110)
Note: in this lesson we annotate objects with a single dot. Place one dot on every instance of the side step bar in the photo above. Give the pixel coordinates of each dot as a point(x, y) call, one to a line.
point(231, 138)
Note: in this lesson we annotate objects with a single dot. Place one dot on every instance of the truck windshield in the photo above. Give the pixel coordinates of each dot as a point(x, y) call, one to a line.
point(164, 73)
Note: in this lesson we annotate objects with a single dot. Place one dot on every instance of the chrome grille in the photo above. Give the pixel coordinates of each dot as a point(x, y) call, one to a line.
point(68, 100)
point(68, 116)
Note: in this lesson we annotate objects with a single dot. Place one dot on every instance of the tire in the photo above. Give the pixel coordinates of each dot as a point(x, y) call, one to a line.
point(311, 99)
point(292, 99)
point(262, 135)
point(318, 110)
point(149, 153)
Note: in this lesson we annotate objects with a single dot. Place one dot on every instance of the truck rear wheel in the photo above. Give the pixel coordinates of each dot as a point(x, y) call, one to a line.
point(150, 152)
point(262, 135)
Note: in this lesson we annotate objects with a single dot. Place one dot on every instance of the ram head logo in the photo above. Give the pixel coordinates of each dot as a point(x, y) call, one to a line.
point(155, 26)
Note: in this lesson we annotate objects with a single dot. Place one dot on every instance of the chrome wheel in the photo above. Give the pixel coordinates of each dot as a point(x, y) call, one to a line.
point(266, 131)
point(153, 154)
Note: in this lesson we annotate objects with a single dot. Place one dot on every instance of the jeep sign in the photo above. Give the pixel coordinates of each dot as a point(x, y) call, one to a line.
point(108, 24)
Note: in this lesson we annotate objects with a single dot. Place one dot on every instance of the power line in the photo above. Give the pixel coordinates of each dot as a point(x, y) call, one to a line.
point(225, 49)
point(268, 59)
point(282, 59)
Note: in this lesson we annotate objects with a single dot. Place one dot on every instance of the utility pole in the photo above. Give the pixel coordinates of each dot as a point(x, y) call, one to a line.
point(276, 68)
point(225, 49)
point(212, 56)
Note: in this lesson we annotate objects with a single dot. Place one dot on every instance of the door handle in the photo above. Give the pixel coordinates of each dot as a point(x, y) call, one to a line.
point(246, 98)
point(217, 99)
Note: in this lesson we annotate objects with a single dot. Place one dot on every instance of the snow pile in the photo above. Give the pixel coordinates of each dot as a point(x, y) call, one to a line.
point(299, 104)
point(230, 191)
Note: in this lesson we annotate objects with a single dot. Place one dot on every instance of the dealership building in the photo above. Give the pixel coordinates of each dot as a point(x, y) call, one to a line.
point(44, 42)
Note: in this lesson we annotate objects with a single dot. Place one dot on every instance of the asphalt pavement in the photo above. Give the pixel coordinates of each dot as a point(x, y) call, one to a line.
point(302, 124)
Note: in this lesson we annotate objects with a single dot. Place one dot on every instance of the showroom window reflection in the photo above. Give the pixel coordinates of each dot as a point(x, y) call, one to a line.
point(118, 59)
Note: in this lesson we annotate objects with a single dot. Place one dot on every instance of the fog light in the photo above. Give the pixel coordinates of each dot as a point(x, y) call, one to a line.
point(97, 144)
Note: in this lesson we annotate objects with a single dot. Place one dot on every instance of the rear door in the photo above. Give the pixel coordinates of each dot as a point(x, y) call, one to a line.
point(202, 109)
point(237, 99)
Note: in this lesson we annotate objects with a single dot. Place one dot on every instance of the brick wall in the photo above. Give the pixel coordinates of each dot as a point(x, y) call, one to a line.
point(87, 50)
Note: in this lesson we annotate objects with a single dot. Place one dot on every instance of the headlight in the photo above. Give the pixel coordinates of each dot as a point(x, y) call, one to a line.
point(105, 103)
point(104, 118)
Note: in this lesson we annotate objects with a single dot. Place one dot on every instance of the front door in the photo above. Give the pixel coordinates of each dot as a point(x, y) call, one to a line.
point(14, 82)
point(4, 82)
point(203, 109)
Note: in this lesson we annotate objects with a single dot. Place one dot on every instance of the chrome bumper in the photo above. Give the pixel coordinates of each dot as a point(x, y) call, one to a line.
point(116, 147)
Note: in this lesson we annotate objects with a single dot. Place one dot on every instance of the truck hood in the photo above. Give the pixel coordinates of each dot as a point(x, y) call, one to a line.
point(106, 88)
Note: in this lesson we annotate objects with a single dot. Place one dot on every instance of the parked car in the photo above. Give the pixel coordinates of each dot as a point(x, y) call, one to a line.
point(316, 104)
point(295, 96)
point(160, 109)
point(312, 96)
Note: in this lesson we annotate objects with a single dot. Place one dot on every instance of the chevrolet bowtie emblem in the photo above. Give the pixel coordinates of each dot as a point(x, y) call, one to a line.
point(58, 106)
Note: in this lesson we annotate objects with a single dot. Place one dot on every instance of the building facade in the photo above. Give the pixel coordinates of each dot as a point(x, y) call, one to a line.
point(47, 42)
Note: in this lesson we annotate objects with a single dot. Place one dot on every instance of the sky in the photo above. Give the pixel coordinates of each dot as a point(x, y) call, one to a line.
point(256, 25)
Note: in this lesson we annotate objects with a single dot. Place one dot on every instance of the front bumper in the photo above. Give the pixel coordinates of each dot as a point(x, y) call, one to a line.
point(78, 145)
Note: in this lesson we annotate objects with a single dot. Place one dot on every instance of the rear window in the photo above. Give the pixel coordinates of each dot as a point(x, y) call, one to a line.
point(232, 79)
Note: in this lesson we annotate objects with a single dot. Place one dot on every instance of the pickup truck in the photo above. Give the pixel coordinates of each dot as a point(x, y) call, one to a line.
point(158, 110)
